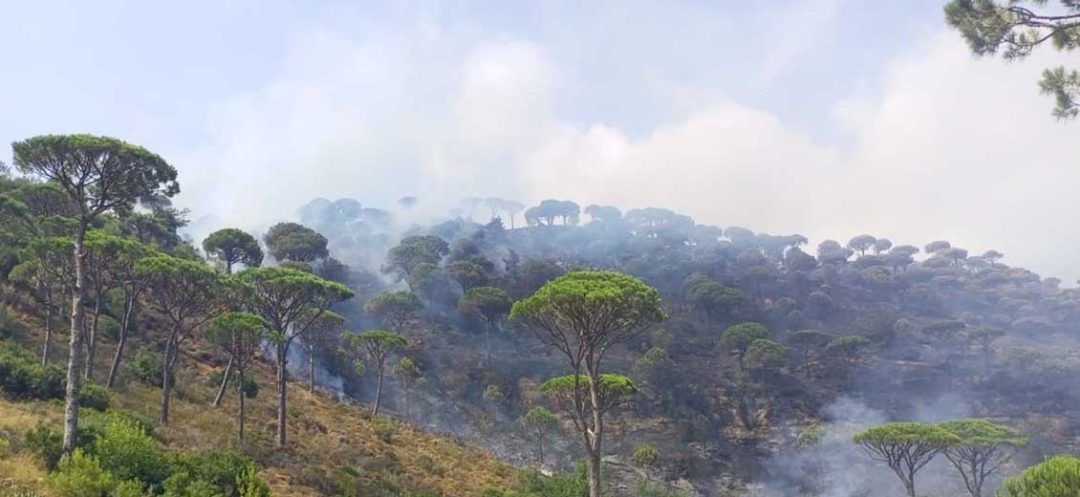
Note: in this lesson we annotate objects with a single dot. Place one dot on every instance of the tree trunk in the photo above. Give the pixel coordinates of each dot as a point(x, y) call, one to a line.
point(91, 340)
point(597, 438)
point(282, 392)
point(225, 383)
point(311, 369)
point(48, 335)
point(540, 446)
point(240, 377)
point(378, 394)
point(121, 340)
point(78, 317)
point(166, 383)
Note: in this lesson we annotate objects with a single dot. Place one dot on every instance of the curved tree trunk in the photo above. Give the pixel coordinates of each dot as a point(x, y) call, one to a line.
point(225, 383)
point(78, 317)
point(121, 339)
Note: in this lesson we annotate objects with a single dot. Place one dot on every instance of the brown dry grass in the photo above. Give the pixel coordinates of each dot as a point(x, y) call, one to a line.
point(325, 436)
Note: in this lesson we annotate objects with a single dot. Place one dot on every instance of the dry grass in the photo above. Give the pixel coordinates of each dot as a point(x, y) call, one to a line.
point(325, 436)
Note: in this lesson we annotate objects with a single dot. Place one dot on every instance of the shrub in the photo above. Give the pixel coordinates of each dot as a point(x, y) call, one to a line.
point(8, 327)
point(145, 366)
point(45, 444)
point(644, 455)
point(126, 451)
point(23, 377)
point(249, 484)
point(426, 463)
point(93, 397)
point(83, 476)
point(219, 473)
point(384, 430)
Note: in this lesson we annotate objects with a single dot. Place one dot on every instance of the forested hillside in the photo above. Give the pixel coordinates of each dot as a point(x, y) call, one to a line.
point(667, 356)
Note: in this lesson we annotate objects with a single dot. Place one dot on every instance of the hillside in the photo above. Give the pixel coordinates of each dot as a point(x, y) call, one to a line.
point(334, 446)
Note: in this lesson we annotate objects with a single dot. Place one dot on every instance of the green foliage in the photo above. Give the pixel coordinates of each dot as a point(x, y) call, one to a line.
point(45, 444)
point(630, 301)
point(295, 242)
point(1014, 30)
point(231, 246)
point(612, 389)
point(383, 430)
point(711, 296)
point(394, 308)
point(109, 173)
point(488, 303)
point(645, 455)
point(901, 433)
point(414, 251)
point(81, 475)
point(146, 367)
point(407, 371)
point(535, 484)
point(847, 345)
point(740, 337)
point(129, 453)
point(23, 377)
point(980, 432)
point(213, 473)
point(494, 394)
point(767, 353)
point(93, 397)
point(539, 418)
point(1058, 476)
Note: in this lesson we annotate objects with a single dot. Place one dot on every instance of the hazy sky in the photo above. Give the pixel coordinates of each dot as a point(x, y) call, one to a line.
point(823, 117)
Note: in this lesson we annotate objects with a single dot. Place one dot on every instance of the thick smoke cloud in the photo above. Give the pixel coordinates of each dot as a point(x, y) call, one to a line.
point(948, 148)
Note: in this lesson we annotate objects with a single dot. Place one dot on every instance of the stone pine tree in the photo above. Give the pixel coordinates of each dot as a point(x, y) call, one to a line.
point(1014, 30)
point(188, 294)
point(291, 301)
point(229, 247)
point(905, 447)
point(394, 309)
point(407, 373)
point(491, 305)
point(240, 335)
point(324, 328)
point(740, 337)
point(294, 242)
point(583, 314)
point(376, 346)
point(46, 267)
point(125, 259)
point(610, 391)
point(1057, 476)
point(99, 175)
point(981, 451)
point(539, 421)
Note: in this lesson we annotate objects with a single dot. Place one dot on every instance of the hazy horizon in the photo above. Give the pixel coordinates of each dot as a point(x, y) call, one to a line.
point(816, 117)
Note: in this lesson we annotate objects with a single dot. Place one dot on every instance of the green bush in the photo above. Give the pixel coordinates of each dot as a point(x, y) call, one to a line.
point(249, 484)
point(644, 455)
point(218, 470)
point(8, 327)
point(145, 366)
point(126, 451)
point(23, 377)
point(93, 397)
point(82, 475)
point(384, 430)
point(46, 444)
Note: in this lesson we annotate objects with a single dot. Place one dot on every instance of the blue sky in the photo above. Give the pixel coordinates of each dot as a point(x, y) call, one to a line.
point(825, 117)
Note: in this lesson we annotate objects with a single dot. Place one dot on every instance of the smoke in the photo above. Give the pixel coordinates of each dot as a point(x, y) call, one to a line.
point(834, 466)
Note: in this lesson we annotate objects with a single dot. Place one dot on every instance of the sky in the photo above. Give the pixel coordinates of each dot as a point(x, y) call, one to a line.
point(828, 118)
